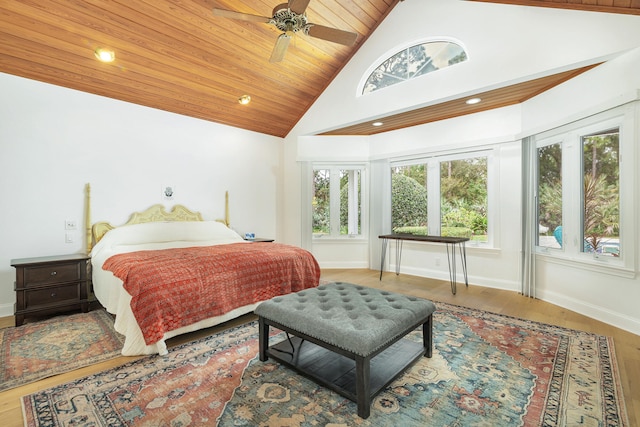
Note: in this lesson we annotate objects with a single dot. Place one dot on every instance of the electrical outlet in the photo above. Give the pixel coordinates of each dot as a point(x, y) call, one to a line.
point(437, 261)
point(70, 224)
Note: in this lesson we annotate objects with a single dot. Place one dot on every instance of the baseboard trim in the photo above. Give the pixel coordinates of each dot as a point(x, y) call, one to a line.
point(602, 314)
point(6, 310)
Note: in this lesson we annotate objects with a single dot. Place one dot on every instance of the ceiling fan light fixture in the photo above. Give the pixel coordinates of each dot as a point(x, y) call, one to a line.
point(473, 101)
point(244, 99)
point(104, 55)
point(291, 18)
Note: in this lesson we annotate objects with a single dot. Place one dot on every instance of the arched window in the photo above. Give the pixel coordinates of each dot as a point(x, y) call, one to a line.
point(414, 61)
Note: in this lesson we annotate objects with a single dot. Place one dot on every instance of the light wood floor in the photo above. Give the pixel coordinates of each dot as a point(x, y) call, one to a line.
point(627, 345)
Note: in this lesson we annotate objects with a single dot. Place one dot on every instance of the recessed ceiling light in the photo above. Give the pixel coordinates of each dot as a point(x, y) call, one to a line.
point(473, 101)
point(244, 99)
point(377, 124)
point(104, 55)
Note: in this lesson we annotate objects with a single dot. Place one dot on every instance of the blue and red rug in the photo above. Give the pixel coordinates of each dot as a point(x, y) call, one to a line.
point(486, 370)
point(50, 347)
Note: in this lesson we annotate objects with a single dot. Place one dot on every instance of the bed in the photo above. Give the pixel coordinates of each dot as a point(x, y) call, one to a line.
point(163, 274)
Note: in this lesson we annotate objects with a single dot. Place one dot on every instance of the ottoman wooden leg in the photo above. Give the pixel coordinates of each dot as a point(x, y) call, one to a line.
point(363, 387)
point(263, 333)
point(427, 336)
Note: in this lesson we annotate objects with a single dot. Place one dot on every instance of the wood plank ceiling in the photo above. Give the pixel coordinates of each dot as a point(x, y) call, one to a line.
point(177, 56)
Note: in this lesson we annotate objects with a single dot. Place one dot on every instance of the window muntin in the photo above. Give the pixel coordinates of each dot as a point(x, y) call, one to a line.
point(337, 201)
point(413, 62)
point(447, 195)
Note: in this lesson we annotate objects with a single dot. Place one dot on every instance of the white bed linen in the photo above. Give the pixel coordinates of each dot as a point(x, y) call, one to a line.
point(110, 292)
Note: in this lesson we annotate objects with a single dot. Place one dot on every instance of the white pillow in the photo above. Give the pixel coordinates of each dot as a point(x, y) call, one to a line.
point(159, 232)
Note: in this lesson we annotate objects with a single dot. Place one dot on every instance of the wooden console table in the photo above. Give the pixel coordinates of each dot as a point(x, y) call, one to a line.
point(450, 243)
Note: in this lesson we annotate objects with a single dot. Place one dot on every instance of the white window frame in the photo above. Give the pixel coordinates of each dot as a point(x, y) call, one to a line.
point(432, 163)
point(334, 201)
point(570, 137)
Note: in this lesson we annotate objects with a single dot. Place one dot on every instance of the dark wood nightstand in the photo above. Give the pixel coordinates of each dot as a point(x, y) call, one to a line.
point(51, 285)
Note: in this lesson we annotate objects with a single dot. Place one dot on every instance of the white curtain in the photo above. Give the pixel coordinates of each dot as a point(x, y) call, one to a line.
point(306, 197)
point(379, 209)
point(529, 224)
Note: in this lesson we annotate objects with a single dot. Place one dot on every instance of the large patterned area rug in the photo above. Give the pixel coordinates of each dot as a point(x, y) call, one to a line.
point(39, 350)
point(486, 370)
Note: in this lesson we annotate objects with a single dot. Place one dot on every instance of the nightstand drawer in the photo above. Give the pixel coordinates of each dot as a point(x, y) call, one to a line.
point(51, 285)
point(52, 295)
point(35, 276)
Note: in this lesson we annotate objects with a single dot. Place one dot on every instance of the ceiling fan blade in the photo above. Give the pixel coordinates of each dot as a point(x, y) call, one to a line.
point(242, 16)
point(332, 34)
point(280, 48)
point(298, 6)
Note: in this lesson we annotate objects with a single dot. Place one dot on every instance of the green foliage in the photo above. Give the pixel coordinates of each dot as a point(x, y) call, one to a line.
point(446, 231)
point(464, 180)
point(320, 202)
point(464, 217)
point(601, 209)
point(456, 232)
point(550, 205)
point(418, 231)
point(408, 202)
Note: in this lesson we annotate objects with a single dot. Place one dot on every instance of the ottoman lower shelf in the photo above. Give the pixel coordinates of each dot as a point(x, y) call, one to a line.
point(350, 338)
point(338, 372)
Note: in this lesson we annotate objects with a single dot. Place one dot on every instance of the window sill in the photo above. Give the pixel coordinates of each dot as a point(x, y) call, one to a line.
point(341, 239)
point(604, 266)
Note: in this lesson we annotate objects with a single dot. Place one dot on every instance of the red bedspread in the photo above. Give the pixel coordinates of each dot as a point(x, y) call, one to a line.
point(172, 288)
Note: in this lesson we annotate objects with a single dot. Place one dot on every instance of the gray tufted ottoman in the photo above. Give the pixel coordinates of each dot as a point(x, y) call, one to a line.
point(347, 337)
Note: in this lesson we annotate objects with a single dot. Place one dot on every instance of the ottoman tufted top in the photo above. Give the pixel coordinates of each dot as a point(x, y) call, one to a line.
point(355, 318)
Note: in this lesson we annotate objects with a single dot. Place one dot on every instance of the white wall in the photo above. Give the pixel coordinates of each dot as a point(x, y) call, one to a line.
point(54, 140)
point(505, 43)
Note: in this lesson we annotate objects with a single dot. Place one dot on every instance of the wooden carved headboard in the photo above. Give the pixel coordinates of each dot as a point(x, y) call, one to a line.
point(156, 213)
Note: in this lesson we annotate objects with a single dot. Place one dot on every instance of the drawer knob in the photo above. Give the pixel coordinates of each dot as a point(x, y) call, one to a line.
point(53, 273)
point(53, 294)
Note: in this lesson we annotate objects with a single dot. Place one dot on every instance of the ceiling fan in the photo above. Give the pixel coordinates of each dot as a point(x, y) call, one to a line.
point(290, 18)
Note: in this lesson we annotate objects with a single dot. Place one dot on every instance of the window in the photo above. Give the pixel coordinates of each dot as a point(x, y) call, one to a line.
point(409, 199)
point(463, 195)
point(337, 201)
point(580, 185)
point(445, 196)
point(601, 193)
point(413, 62)
point(550, 195)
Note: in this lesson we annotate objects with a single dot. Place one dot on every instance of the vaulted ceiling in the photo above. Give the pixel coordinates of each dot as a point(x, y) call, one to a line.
point(178, 57)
